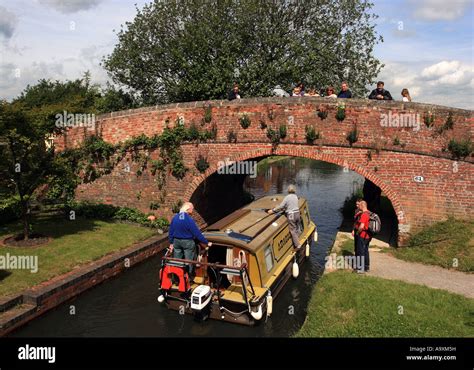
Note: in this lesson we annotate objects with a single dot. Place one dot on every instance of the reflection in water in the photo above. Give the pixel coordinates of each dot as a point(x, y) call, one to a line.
point(127, 305)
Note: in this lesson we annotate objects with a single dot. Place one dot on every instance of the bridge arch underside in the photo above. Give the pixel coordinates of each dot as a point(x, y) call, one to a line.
point(420, 188)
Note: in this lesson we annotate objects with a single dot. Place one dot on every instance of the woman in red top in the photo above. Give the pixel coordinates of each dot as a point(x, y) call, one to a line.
point(363, 240)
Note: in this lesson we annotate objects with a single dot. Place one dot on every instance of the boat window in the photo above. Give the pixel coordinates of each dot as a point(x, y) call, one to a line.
point(269, 258)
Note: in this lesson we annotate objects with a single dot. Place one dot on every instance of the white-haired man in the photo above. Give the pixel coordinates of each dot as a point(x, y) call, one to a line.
point(182, 233)
point(292, 211)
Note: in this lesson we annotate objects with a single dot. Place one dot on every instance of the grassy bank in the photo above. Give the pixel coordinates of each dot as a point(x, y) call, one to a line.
point(344, 304)
point(444, 244)
point(73, 243)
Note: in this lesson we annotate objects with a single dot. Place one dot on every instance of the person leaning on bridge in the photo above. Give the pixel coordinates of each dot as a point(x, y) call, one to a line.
point(345, 93)
point(292, 211)
point(380, 93)
point(182, 233)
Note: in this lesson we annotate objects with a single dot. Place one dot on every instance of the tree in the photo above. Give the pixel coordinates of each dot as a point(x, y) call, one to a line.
point(28, 162)
point(194, 50)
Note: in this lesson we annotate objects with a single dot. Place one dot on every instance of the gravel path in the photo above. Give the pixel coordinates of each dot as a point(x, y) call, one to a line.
point(388, 267)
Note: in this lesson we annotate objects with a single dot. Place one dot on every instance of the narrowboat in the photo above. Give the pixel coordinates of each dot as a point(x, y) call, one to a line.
point(250, 260)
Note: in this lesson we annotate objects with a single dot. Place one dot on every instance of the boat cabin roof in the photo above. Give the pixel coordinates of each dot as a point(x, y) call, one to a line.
point(250, 226)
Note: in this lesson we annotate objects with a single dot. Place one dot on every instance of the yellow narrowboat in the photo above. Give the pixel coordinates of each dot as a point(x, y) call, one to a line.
point(250, 260)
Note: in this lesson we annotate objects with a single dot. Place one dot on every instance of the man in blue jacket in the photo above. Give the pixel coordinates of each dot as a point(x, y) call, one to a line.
point(182, 233)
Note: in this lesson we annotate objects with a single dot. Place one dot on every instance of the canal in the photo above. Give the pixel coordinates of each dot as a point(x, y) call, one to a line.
point(127, 305)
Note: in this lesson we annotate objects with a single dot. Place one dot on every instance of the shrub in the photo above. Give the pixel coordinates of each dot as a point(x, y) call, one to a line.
point(341, 113)
point(263, 125)
point(245, 121)
point(396, 141)
point(208, 114)
point(201, 164)
point(352, 136)
point(231, 137)
point(323, 114)
point(273, 135)
point(311, 134)
point(460, 149)
point(110, 212)
point(10, 209)
point(283, 130)
point(193, 133)
point(429, 119)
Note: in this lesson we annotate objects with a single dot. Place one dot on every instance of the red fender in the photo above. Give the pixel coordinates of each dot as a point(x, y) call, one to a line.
point(166, 282)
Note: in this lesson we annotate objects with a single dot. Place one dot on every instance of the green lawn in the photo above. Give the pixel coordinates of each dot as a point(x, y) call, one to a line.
point(344, 304)
point(73, 243)
point(443, 244)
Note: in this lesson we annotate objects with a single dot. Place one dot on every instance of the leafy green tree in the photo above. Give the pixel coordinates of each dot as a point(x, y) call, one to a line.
point(114, 99)
point(26, 125)
point(194, 50)
point(26, 160)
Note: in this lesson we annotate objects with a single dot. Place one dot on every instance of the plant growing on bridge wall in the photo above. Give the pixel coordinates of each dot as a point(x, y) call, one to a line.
point(429, 119)
point(212, 133)
point(396, 141)
point(270, 114)
point(283, 130)
point(311, 134)
point(245, 121)
point(323, 114)
point(263, 125)
point(460, 149)
point(352, 136)
point(208, 114)
point(273, 135)
point(448, 125)
point(201, 163)
point(341, 112)
point(193, 133)
point(231, 136)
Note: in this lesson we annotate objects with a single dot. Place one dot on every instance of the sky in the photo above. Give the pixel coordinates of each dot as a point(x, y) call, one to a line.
point(427, 48)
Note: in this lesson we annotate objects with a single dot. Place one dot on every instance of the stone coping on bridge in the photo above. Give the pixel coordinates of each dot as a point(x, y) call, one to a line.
point(360, 103)
point(18, 309)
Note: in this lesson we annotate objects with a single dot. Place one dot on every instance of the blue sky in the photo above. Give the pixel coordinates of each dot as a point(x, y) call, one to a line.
point(427, 48)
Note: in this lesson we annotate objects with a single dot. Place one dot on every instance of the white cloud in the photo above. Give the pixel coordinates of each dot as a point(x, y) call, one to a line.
point(432, 82)
point(70, 6)
point(14, 78)
point(8, 22)
point(448, 73)
point(439, 10)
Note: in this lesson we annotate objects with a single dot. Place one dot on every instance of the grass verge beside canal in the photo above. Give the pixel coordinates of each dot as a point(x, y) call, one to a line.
point(73, 243)
point(345, 304)
point(449, 244)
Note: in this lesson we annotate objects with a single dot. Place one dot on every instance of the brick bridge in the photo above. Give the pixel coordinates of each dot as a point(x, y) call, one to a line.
point(412, 167)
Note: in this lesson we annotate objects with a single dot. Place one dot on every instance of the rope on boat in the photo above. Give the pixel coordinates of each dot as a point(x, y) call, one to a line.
point(235, 314)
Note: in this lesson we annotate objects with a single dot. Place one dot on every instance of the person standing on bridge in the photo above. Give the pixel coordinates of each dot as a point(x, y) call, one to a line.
point(363, 239)
point(182, 233)
point(292, 211)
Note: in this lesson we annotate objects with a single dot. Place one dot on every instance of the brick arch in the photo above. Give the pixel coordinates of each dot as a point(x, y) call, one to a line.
point(391, 194)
